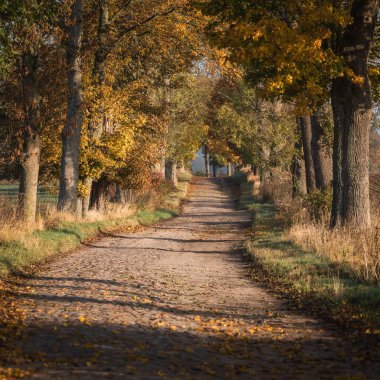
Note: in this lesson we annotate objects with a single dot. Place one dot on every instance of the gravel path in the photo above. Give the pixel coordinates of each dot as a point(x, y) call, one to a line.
point(174, 301)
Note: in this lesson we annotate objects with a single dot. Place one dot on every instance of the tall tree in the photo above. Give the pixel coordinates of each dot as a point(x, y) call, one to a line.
point(306, 133)
point(299, 51)
point(352, 106)
point(95, 128)
point(30, 160)
point(128, 54)
point(186, 117)
point(26, 28)
point(71, 133)
point(295, 170)
point(207, 160)
point(322, 159)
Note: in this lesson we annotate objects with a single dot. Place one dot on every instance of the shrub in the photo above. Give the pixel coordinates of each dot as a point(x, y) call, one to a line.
point(318, 203)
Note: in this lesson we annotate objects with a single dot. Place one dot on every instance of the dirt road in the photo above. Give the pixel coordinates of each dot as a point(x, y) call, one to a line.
point(174, 301)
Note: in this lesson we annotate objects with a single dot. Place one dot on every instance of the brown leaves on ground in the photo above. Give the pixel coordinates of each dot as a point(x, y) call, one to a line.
point(11, 327)
point(172, 301)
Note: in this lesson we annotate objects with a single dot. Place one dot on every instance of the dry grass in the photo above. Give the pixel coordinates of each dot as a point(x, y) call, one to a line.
point(276, 189)
point(334, 274)
point(308, 226)
point(359, 252)
point(13, 229)
point(55, 232)
point(48, 217)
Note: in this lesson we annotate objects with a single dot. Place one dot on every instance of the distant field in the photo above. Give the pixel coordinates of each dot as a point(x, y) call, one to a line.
point(10, 191)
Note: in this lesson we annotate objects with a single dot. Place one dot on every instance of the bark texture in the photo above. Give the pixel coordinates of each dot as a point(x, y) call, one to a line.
point(337, 204)
point(207, 161)
point(102, 49)
point(229, 169)
point(214, 169)
point(98, 193)
point(182, 168)
point(322, 160)
point(352, 106)
point(295, 167)
point(306, 133)
point(71, 134)
point(95, 130)
point(30, 160)
point(171, 172)
point(162, 167)
point(118, 194)
point(86, 199)
point(29, 178)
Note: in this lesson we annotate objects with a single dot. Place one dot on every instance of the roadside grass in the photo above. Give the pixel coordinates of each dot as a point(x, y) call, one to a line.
point(27, 248)
point(246, 200)
point(312, 282)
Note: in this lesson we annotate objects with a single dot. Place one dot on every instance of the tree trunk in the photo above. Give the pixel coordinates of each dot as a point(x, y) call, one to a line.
point(207, 161)
point(102, 49)
point(95, 130)
point(321, 157)
point(264, 174)
point(295, 167)
point(79, 207)
point(162, 169)
point(30, 160)
point(352, 106)
point(71, 134)
point(264, 153)
point(337, 204)
point(171, 172)
point(305, 126)
point(214, 168)
point(28, 188)
point(98, 192)
point(296, 176)
point(229, 169)
point(86, 199)
point(118, 194)
point(182, 169)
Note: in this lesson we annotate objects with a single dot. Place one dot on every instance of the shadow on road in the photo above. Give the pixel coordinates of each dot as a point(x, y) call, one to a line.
point(93, 351)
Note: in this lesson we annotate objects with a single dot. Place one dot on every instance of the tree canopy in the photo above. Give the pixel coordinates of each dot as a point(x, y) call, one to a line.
point(102, 93)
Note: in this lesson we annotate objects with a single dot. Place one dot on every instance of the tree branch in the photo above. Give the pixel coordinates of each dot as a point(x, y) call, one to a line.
point(144, 22)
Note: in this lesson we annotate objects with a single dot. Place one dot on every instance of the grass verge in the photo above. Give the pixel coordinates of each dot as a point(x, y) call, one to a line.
point(312, 282)
point(19, 254)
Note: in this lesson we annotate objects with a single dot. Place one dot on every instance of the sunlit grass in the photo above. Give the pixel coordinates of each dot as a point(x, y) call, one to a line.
point(17, 254)
point(359, 251)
